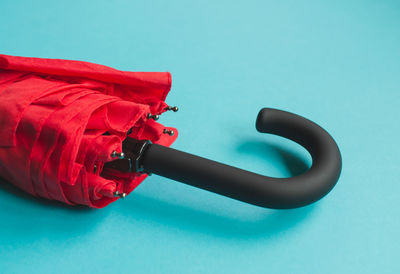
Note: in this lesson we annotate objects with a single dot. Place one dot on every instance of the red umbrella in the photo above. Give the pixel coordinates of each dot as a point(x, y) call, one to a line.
point(83, 133)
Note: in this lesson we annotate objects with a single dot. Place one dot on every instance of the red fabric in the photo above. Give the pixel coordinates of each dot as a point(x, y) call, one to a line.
point(53, 116)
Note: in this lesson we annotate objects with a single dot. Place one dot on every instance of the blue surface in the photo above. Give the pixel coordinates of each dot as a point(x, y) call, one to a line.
point(336, 62)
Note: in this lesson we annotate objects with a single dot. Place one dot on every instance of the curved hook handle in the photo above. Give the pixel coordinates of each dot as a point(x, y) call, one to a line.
point(279, 193)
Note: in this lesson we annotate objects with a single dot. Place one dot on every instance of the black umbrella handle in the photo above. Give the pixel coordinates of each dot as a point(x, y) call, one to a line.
point(250, 187)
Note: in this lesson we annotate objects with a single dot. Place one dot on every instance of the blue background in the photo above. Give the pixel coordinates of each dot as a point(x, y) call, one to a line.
point(334, 62)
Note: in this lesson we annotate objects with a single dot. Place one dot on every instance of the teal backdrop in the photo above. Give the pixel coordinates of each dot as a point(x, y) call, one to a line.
point(334, 62)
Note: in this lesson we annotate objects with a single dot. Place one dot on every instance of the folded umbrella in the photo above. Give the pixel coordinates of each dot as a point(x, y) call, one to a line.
point(84, 133)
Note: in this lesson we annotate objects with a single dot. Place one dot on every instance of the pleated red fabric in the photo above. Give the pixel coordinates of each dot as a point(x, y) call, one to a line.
point(53, 118)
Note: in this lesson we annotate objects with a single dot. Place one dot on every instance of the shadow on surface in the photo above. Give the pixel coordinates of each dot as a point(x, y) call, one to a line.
point(225, 217)
point(221, 224)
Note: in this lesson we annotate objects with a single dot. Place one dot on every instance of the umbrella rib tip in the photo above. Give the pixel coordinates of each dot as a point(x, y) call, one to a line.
point(120, 194)
point(120, 155)
point(174, 109)
point(169, 132)
point(154, 117)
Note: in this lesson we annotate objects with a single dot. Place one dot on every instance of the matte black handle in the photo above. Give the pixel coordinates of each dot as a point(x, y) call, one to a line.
point(279, 193)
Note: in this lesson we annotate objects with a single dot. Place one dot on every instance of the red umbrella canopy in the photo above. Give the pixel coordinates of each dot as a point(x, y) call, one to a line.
point(61, 120)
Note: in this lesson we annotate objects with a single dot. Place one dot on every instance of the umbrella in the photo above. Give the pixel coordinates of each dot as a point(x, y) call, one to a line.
point(83, 133)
